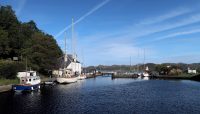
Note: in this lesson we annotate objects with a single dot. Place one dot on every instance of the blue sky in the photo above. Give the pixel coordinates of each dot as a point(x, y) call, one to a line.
point(111, 31)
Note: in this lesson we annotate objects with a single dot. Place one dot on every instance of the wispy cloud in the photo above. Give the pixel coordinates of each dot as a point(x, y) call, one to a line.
point(166, 26)
point(133, 33)
point(150, 26)
point(179, 34)
point(113, 43)
point(188, 58)
point(169, 15)
point(84, 16)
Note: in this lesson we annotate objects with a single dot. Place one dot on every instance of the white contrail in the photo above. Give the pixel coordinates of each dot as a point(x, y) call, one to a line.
point(21, 6)
point(83, 17)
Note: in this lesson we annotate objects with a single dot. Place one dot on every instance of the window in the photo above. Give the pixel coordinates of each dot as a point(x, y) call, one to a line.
point(29, 80)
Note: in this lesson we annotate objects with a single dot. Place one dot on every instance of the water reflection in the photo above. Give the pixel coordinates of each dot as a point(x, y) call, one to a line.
point(104, 95)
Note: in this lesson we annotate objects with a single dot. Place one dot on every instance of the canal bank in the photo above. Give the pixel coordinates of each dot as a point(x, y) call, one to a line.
point(6, 85)
point(4, 88)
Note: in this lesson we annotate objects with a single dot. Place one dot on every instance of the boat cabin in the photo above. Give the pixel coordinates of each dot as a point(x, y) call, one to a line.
point(28, 77)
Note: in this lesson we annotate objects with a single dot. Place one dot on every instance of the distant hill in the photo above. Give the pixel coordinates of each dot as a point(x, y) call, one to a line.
point(152, 67)
point(21, 40)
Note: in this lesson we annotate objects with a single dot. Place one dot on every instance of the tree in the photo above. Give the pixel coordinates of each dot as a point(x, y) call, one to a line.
point(4, 48)
point(26, 40)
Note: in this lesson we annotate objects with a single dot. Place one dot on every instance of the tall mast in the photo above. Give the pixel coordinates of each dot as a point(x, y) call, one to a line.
point(65, 43)
point(138, 62)
point(73, 40)
point(65, 51)
point(130, 64)
point(26, 64)
point(144, 59)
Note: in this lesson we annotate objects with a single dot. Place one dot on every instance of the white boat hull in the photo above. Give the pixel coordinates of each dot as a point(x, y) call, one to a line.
point(81, 77)
point(49, 83)
point(146, 75)
point(146, 78)
point(66, 80)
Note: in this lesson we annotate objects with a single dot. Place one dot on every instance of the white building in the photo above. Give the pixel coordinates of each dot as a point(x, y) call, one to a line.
point(69, 64)
point(190, 71)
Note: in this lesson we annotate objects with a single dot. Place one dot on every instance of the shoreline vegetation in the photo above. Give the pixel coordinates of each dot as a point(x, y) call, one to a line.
point(4, 81)
point(6, 84)
point(189, 77)
point(24, 44)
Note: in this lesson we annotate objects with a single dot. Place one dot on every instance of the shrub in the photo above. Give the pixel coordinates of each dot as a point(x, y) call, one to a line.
point(9, 69)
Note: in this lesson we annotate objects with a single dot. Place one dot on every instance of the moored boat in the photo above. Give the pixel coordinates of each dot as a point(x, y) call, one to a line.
point(145, 74)
point(81, 77)
point(70, 67)
point(49, 83)
point(66, 80)
point(29, 81)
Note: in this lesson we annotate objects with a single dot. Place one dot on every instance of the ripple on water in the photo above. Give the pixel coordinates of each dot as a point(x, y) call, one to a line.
point(104, 95)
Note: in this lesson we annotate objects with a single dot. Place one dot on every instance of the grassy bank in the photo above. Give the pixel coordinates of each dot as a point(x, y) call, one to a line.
point(8, 81)
point(181, 76)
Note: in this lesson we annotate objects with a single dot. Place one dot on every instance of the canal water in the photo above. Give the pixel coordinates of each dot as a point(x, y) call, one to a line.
point(104, 95)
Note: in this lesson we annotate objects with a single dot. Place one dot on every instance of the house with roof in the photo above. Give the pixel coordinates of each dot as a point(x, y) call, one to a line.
point(68, 63)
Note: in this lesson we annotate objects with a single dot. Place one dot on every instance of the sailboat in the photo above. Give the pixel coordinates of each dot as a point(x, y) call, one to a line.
point(146, 69)
point(66, 75)
point(72, 68)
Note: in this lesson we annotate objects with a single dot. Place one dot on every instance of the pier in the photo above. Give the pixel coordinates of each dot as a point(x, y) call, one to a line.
point(112, 73)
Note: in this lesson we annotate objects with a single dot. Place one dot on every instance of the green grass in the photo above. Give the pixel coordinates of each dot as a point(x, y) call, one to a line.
point(186, 75)
point(8, 81)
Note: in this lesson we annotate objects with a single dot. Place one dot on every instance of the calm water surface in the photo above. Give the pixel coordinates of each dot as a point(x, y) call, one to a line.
point(104, 95)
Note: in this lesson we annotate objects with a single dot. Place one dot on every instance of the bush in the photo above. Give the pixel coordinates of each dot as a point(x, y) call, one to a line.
point(9, 69)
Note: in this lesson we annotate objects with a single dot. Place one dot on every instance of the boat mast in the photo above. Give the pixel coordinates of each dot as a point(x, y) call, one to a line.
point(73, 40)
point(138, 63)
point(144, 59)
point(73, 43)
point(65, 46)
point(26, 66)
point(130, 64)
point(83, 59)
point(65, 52)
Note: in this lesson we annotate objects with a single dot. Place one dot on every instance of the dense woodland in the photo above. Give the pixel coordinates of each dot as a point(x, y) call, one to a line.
point(21, 41)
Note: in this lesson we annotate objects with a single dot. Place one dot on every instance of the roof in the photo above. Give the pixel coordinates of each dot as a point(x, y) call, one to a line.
point(70, 59)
